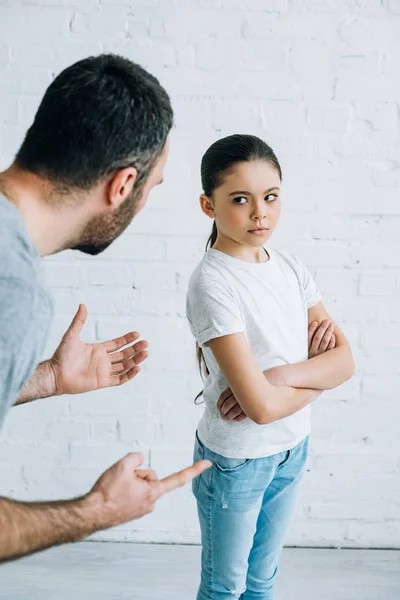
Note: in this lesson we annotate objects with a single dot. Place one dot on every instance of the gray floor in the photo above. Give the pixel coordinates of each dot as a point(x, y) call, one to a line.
point(100, 571)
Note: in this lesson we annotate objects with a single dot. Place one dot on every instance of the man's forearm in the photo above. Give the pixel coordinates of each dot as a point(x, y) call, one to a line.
point(26, 528)
point(323, 372)
point(42, 384)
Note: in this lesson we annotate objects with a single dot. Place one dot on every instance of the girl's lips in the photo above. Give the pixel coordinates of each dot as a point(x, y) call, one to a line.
point(258, 231)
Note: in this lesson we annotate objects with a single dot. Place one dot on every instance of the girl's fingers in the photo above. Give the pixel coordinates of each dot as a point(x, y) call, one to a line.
point(223, 397)
point(233, 413)
point(228, 405)
point(327, 338)
point(241, 417)
point(332, 343)
point(311, 330)
point(319, 334)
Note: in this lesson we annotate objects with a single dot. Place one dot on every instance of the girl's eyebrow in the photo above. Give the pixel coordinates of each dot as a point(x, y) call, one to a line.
point(249, 193)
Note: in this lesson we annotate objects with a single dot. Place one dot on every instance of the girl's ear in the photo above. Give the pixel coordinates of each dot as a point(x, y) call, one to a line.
point(207, 206)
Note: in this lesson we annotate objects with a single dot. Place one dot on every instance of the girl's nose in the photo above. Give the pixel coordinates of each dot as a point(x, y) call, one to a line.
point(260, 210)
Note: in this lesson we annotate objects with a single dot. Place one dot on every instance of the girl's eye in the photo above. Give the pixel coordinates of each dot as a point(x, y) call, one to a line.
point(271, 197)
point(240, 200)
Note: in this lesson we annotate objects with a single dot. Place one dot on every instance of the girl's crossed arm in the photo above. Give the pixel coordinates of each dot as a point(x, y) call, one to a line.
point(257, 397)
point(323, 372)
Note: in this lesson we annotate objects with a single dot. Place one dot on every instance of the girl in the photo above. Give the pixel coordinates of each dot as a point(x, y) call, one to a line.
point(249, 308)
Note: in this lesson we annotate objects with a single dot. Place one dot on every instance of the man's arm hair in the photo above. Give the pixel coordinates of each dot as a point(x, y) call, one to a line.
point(26, 527)
point(122, 493)
point(41, 384)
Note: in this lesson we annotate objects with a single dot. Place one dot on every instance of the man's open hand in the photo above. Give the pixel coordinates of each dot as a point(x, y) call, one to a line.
point(79, 367)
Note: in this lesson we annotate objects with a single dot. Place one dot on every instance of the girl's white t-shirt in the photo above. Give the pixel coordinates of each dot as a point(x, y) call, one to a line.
point(268, 302)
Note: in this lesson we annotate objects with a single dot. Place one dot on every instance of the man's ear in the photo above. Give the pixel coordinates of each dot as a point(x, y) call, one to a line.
point(120, 186)
point(207, 206)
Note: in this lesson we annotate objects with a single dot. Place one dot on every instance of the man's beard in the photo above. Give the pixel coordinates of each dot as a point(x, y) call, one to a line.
point(104, 229)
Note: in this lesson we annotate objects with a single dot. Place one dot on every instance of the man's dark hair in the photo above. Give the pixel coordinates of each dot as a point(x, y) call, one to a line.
point(99, 115)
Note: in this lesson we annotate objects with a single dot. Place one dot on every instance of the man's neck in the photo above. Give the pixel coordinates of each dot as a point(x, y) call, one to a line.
point(49, 230)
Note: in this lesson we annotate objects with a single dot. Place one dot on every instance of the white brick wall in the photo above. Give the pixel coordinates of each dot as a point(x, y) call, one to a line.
point(320, 81)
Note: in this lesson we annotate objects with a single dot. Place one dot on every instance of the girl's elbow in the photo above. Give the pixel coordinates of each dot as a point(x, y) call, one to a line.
point(263, 417)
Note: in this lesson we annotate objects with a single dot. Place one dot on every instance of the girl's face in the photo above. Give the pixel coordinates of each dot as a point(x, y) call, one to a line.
point(247, 206)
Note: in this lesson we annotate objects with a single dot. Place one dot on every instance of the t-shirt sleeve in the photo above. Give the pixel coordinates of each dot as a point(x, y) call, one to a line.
point(15, 300)
point(311, 291)
point(213, 310)
point(23, 331)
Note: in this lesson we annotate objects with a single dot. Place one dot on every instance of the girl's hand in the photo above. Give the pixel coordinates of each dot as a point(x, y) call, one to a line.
point(229, 407)
point(321, 338)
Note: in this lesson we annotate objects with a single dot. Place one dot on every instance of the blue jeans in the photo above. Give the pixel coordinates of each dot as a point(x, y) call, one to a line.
point(244, 509)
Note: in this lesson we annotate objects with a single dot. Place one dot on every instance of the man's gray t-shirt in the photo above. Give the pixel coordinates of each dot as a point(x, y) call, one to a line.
point(26, 307)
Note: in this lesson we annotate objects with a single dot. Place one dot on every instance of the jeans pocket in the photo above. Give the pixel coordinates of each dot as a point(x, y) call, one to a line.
point(231, 465)
point(236, 484)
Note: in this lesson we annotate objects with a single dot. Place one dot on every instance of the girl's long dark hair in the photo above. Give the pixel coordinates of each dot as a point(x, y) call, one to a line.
point(219, 159)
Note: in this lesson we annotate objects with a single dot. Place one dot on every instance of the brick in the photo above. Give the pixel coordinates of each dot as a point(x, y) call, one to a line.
point(67, 301)
point(246, 116)
point(359, 63)
point(136, 247)
point(378, 284)
point(149, 4)
point(16, 26)
point(381, 88)
point(342, 282)
point(185, 56)
point(382, 116)
point(101, 457)
point(388, 336)
point(375, 256)
point(103, 431)
point(356, 32)
point(143, 429)
point(29, 454)
point(310, 60)
point(62, 274)
point(137, 26)
point(328, 254)
point(393, 6)
point(330, 118)
point(5, 54)
point(150, 53)
point(356, 6)
point(210, 3)
point(242, 55)
point(63, 3)
point(294, 227)
point(8, 108)
point(278, 6)
point(204, 24)
point(264, 26)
